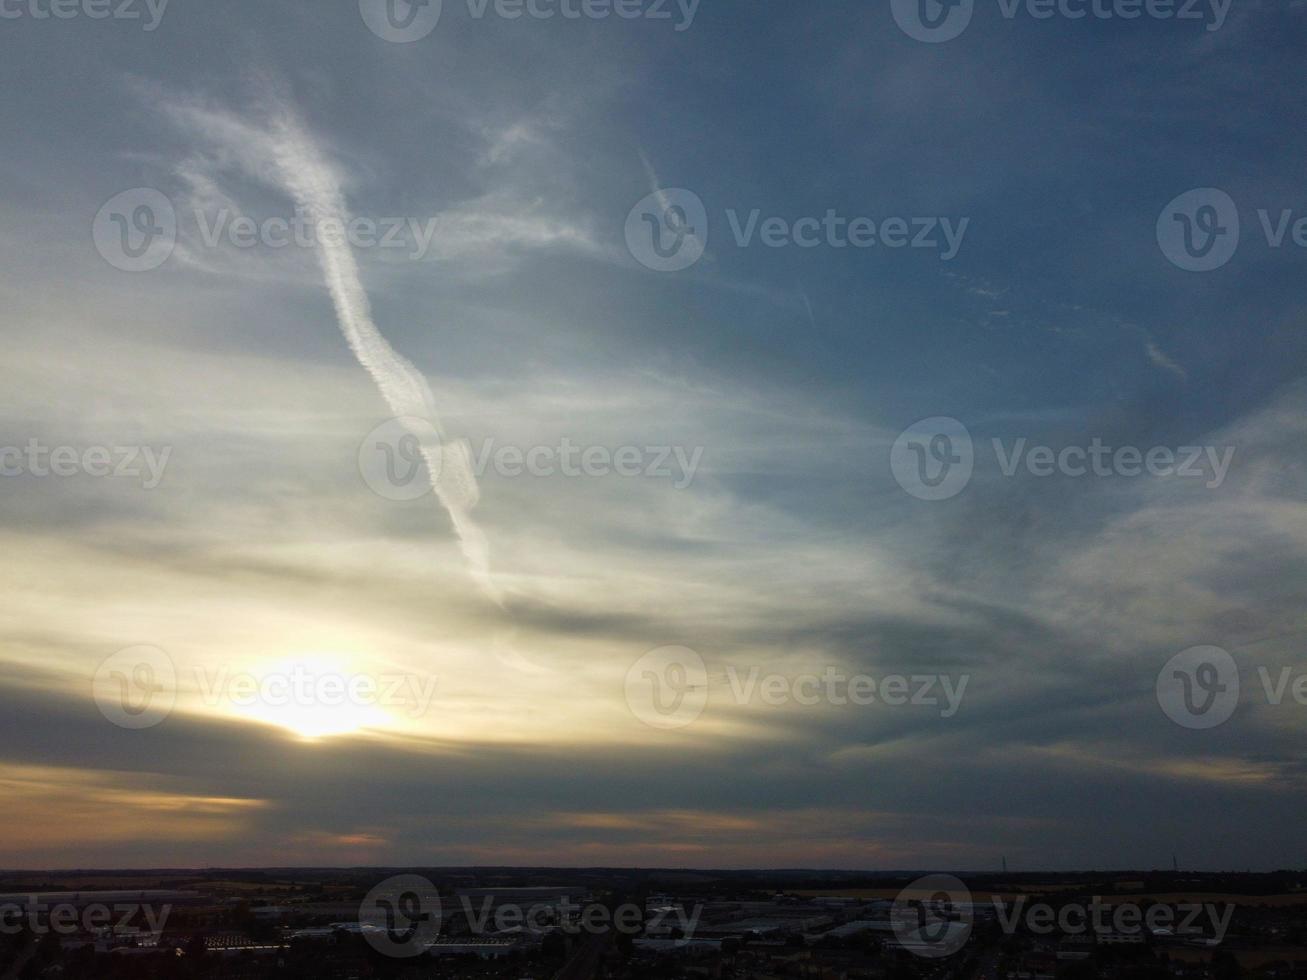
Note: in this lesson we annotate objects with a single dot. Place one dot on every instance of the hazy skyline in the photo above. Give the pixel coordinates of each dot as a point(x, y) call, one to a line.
point(639, 447)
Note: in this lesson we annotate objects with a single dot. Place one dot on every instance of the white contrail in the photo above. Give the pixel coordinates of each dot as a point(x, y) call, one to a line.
point(310, 179)
point(654, 184)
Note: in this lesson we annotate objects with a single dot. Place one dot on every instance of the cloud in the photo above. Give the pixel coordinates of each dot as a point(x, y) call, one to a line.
point(279, 148)
point(1158, 357)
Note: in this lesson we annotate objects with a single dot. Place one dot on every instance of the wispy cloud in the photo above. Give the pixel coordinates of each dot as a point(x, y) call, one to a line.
point(1158, 357)
point(275, 145)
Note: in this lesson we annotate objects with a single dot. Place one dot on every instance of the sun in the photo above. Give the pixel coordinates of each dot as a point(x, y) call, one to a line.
point(312, 697)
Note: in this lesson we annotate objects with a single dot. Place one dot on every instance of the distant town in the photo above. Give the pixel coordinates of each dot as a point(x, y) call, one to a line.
point(618, 924)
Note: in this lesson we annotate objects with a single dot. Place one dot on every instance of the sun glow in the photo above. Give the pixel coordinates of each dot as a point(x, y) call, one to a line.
point(312, 697)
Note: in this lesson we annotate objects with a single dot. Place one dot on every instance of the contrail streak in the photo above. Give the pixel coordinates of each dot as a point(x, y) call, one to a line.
point(310, 179)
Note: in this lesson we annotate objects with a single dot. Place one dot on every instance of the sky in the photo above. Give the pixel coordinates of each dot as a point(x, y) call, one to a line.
point(733, 434)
